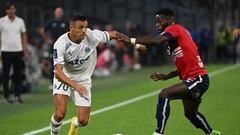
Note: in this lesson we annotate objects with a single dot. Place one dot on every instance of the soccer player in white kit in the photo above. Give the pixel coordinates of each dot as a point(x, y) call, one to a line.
point(74, 62)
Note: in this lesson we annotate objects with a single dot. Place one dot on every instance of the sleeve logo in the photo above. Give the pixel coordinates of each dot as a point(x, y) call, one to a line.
point(55, 54)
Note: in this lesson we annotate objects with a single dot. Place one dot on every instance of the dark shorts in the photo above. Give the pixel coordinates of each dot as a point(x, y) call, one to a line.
point(197, 86)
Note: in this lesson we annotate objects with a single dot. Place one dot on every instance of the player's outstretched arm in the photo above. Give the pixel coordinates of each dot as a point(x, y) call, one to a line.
point(143, 40)
point(149, 40)
point(119, 36)
point(66, 80)
point(159, 76)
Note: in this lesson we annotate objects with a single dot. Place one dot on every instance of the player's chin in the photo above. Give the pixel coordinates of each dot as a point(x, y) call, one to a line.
point(82, 37)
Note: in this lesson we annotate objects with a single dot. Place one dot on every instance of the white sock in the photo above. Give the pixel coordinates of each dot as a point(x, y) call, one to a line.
point(155, 133)
point(209, 134)
point(55, 126)
point(77, 123)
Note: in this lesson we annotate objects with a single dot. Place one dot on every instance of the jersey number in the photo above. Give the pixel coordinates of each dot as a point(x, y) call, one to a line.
point(64, 87)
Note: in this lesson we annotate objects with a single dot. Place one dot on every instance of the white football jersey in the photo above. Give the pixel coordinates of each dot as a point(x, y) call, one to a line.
point(79, 60)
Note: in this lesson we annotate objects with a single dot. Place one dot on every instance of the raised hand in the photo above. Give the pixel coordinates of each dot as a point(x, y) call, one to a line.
point(158, 76)
point(123, 37)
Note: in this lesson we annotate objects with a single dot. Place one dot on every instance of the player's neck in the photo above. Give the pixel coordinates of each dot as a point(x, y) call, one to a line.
point(11, 17)
point(74, 39)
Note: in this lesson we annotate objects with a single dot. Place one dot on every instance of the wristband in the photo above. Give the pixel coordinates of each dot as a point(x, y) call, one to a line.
point(133, 40)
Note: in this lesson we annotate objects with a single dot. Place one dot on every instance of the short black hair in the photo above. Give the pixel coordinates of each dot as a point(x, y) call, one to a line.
point(9, 4)
point(166, 12)
point(78, 16)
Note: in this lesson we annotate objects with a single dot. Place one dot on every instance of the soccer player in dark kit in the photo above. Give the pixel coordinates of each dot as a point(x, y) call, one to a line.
point(189, 68)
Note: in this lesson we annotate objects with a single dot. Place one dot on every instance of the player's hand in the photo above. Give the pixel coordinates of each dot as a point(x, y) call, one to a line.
point(26, 55)
point(142, 49)
point(121, 37)
point(158, 76)
point(81, 90)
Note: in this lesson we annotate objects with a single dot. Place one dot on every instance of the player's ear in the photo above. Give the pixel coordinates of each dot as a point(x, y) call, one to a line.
point(71, 25)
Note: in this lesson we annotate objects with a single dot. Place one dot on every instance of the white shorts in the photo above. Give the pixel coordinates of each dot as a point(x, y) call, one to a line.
point(60, 88)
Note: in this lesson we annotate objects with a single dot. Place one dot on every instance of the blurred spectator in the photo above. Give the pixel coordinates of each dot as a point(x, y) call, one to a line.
point(222, 52)
point(236, 46)
point(206, 39)
point(106, 60)
point(236, 32)
point(133, 31)
point(14, 50)
point(54, 29)
point(194, 33)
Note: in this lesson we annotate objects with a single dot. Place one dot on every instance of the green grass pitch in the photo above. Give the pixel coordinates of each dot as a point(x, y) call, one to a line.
point(220, 105)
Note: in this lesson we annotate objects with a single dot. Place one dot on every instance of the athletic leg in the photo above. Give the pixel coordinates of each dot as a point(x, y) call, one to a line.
point(195, 117)
point(18, 67)
point(7, 62)
point(177, 91)
point(84, 106)
point(60, 102)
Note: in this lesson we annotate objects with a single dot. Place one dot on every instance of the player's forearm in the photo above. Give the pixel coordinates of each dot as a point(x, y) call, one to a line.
point(24, 41)
point(149, 40)
point(172, 74)
point(64, 79)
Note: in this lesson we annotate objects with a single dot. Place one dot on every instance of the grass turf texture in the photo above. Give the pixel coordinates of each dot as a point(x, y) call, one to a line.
point(220, 106)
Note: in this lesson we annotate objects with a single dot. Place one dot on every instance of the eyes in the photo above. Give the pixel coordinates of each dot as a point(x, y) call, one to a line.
point(82, 27)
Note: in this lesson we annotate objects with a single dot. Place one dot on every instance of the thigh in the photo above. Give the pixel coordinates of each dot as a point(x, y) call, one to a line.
point(176, 91)
point(18, 62)
point(6, 62)
point(60, 102)
point(82, 101)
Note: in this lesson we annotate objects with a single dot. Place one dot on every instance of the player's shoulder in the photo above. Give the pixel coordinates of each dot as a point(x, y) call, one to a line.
point(93, 34)
point(3, 18)
point(175, 26)
point(19, 19)
point(63, 39)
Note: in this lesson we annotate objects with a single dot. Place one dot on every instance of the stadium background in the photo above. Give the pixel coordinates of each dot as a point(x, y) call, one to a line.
point(221, 107)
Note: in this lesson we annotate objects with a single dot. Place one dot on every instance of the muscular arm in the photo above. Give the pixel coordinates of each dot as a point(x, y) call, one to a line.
point(58, 71)
point(142, 40)
point(119, 36)
point(159, 76)
point(172, 74)
point(152, 40)
point(25, 45)
point(24, 41)
point(62, 77)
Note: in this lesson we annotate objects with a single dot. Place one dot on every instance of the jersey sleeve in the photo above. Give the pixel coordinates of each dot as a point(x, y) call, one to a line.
point(0, 25)
point(58, 52)
point(22, 26)
point(101, 36)
point(172, 31)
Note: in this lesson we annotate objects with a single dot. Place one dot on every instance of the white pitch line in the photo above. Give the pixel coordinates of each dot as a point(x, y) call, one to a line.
point(214, 73)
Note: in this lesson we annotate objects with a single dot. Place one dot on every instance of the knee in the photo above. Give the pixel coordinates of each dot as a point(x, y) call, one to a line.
point(59, 115)
point(83, 121)
point(189, 115)
point(163, 93)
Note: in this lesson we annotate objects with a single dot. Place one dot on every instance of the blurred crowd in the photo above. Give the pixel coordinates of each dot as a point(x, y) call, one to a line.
point(115, 55)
